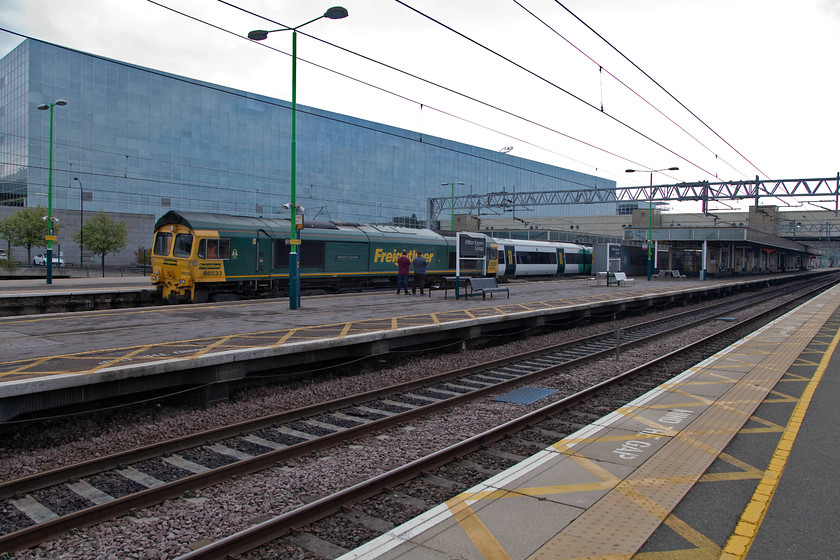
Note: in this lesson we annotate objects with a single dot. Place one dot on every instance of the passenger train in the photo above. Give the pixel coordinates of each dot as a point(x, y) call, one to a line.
point(197, 257)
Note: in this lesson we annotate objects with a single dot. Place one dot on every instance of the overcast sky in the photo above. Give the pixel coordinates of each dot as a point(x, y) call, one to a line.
point(761, 74)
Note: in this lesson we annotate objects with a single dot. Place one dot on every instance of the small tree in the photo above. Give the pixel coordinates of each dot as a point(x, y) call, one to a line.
point(27, 228)
point(103, 235)
point(7, 232)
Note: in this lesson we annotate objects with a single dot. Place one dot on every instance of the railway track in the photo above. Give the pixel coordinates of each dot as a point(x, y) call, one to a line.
point(108, 487)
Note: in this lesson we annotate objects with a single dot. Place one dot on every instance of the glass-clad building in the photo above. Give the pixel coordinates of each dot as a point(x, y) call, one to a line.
point(139, 142)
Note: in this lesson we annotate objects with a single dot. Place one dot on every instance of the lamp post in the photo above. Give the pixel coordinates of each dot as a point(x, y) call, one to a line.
point(453, 199)
point(51, 233)
point(336, 12)
point(82, 226)
point(650, 215)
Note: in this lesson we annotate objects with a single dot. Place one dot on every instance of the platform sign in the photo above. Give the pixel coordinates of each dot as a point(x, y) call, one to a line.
point(470, 247)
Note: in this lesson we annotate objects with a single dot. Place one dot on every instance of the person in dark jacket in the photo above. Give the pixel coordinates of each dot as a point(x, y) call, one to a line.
point(419, 263)
point(403, 265)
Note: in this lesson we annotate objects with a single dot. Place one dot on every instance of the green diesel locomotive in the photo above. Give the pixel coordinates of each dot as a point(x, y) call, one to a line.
point(197, 257)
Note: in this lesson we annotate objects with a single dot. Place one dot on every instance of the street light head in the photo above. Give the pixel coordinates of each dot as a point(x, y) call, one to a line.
point(336, 12)
point(60, 102)
point(43, 107)
point(629, 170)
point(673, 169)
point(258, 35)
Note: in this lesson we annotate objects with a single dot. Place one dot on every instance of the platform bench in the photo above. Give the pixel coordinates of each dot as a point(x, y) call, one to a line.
point(450, 282)
point(621, 278)
point(486, 286)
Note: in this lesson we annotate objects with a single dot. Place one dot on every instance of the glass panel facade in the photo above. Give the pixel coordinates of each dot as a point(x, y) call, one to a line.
point(143, 141)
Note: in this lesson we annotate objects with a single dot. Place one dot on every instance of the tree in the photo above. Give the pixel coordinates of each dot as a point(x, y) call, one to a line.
point(7, 232)
point(27, 228)
point(103, 235)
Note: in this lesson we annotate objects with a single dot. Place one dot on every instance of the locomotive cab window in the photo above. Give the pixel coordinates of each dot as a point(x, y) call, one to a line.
point(163, 243)
point(183, 245)
point(214, 249)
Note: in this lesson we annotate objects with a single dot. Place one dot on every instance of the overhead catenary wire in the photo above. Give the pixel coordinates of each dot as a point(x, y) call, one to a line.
point(661, 87)
point(424, 80)
point(601, 70)
point(552, 84)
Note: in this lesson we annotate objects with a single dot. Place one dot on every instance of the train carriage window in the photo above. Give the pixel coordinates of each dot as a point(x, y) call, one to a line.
point(214, 249)
point(163, 243)
point(183, 245)
point(532, 257)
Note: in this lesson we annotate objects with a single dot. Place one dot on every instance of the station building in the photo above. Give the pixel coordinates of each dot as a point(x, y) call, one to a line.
point(137, 142)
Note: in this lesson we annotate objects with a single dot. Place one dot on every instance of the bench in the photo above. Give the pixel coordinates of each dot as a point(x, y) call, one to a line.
point(621, 278)
point(600, 277)
point(449, 282)
point(485, 286)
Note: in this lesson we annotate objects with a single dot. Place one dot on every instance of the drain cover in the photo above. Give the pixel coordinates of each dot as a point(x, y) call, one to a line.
point(525, 395)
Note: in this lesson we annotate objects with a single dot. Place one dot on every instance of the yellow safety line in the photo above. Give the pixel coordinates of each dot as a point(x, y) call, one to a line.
point(739, 543)
point(346, 329)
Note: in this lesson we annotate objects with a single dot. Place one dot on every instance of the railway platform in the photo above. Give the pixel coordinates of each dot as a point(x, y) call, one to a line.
point(734, 458)
point(68, 359)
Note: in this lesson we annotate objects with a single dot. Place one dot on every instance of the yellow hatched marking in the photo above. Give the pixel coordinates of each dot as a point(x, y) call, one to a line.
point(705, 549)
point(121, 358)
point(741, 540)
point(772, 427)
point(25, 366)
point(346, 329)
point(282, 340)
point(782, 398)
point(478, 533)
point(394, 325)
point(747, 471)
point(210, 347)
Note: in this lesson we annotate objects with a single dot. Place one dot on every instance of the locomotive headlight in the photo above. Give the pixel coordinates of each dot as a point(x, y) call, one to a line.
point(154, 277)
point(182, 281)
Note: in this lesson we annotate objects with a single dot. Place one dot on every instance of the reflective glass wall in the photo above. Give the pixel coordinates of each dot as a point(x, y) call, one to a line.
point(143, 141)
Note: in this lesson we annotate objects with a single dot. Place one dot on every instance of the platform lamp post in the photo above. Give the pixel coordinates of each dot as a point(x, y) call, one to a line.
point(650, 215)
point(82, 226)
point(51, 233)
point(451, 184)
point(336, 12)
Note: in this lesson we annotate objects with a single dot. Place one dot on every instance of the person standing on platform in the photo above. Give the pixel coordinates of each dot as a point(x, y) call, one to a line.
point(403, 265)
point(419, 263)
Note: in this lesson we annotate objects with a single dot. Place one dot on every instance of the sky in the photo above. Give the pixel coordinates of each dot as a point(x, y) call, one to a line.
point(558, 81)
